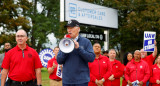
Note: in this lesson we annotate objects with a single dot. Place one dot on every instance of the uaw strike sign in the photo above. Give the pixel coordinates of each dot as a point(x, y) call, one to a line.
point(149, 38)
point(45, 55)
point(59, 71)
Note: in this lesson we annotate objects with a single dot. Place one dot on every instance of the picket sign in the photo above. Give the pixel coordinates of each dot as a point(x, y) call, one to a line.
point(148, 43)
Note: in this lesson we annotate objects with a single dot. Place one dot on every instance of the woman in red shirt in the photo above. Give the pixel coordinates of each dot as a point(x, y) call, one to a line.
point(127, 58)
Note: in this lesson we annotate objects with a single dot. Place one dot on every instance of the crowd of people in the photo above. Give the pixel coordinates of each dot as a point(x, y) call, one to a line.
point(86, 65)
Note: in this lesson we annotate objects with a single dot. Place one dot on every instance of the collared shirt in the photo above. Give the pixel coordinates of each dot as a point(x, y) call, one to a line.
point(22, 63)
point(76, 38)
point(50, 64)
point(137, 71)
point(100, 68)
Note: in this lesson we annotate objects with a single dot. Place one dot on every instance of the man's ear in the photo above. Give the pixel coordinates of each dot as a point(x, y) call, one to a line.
point(79, 30)
point(27, 39)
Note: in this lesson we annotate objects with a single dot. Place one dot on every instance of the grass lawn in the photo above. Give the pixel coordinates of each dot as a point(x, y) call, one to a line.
point(45, 77)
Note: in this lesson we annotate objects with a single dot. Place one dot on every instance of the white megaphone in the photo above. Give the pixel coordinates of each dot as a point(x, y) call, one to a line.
point(66, 45)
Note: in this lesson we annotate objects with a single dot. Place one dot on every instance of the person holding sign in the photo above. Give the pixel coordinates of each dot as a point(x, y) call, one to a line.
point(150, 58)
point(137, 71)
point(100, 69)
point(155, 73)
point(75, 64)
point(52, 70)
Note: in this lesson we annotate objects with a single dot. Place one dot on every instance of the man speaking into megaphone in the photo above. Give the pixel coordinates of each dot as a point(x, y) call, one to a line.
point(75, 64)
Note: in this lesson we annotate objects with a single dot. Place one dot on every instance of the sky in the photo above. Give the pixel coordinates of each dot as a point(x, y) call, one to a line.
point(52, 41)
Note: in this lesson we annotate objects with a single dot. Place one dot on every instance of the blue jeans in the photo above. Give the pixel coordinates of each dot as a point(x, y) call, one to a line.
point(83, 84)
point(147, 84)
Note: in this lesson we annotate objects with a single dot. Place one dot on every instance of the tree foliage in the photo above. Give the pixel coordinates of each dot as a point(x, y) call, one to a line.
point(11, 19)
point(134, 17)
point(24, 14)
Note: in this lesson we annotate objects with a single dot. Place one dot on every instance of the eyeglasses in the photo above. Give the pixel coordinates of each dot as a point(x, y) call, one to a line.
point(18, 36)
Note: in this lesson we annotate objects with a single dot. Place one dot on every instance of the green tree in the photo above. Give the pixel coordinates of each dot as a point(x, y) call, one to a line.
point(11, 20)
point(24, 14)
point(44, 22)
point(134, 17)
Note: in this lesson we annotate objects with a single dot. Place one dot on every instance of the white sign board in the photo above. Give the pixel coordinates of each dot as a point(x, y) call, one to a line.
point(148, 44)
point(87, 13)
point(59, 71)
point(135, 83)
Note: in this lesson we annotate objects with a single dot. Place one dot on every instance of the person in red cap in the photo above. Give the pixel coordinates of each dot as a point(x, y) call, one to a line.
point(137, 70)
point(117, 69)
point(52, 70)
point(100, 68)
point(22, 64)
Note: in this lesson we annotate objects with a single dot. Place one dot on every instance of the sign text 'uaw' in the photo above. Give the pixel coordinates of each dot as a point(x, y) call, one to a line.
point(149, 38)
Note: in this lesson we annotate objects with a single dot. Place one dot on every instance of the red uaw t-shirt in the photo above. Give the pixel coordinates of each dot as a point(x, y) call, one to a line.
point(149, 59)
point(50, 64)
point(21, 64)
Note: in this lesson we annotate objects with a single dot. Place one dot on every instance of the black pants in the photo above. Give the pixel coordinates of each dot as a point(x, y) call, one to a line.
point(15, 83)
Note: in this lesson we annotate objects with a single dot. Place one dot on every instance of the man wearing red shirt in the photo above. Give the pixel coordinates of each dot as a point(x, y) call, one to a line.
point(52, 69)
point(137, 69)
point(150, 58)
point(117, 69)
point(100, 68)
point(22, 64)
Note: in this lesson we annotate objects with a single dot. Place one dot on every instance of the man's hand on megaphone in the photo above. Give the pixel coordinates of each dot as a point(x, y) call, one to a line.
point(76, 44)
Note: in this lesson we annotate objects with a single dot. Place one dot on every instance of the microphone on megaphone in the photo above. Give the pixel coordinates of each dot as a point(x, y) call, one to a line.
point(66, 45)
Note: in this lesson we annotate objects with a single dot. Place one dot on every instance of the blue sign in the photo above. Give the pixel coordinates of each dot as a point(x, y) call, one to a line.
point(45, 55)
point(82, 12)
point(149, 38)
point(72, 10)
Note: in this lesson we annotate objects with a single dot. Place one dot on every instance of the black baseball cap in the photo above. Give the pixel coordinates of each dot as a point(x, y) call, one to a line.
point(72, 23)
